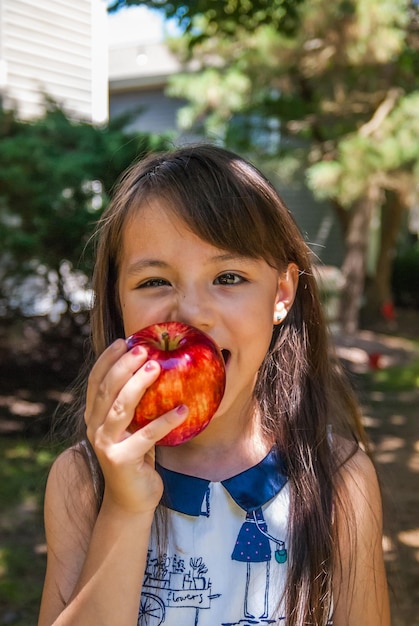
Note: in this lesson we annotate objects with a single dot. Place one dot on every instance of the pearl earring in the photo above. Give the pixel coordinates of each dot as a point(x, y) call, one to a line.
point(280, 315)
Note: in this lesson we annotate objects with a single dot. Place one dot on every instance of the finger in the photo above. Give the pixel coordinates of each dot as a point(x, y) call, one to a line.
point(122, 410)
point(102, 366)
point(107, 381)
point(140, 443)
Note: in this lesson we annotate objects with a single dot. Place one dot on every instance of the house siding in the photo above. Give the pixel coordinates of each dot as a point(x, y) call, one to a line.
point(48, 49)
point(152, 110)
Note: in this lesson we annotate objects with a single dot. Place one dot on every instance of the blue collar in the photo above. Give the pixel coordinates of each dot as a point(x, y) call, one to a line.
point(250, 489)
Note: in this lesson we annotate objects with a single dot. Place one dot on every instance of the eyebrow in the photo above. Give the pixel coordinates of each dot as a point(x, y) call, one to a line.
point(143, 264)
point(147, 263)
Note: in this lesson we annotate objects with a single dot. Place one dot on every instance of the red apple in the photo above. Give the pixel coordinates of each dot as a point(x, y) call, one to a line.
point(192, 373)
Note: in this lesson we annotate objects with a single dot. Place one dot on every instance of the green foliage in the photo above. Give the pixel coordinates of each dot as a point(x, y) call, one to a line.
point(228, 92)
point(380, 155)
point(380, 30)
point(203, 19)
point(56, 176)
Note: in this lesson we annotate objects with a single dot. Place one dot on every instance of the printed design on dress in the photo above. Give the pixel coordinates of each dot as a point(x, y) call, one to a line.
point(173, 582)
point(253, 546)
point(169, 582)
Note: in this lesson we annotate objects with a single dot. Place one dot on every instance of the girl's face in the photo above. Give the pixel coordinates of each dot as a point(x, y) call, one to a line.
point(167, 273)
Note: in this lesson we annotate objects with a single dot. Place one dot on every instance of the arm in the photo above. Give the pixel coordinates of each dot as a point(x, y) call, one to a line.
point(96, 562)
point(86, 580)
point(360, 586)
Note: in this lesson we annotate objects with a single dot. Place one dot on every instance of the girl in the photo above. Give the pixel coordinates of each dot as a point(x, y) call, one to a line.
point(272, 514)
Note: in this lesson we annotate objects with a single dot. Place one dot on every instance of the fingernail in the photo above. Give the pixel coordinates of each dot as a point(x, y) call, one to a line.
point(136, 350)
point(149, 366)
point(181, 409)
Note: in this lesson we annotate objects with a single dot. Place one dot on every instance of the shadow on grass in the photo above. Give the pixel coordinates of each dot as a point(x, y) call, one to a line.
point(390, 400)
point(24, 465)
point(31, 388)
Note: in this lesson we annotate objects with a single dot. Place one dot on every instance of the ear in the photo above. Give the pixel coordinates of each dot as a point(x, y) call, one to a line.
point(287, 288)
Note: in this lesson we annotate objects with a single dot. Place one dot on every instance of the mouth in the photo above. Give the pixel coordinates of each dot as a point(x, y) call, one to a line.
point(226, 355)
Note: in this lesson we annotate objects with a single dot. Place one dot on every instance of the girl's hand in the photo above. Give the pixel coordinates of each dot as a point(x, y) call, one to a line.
point(116, 384)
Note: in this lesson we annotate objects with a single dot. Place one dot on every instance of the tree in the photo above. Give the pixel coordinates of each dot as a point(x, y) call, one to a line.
point(56, 176)
point(221, 17)
point(342, 87)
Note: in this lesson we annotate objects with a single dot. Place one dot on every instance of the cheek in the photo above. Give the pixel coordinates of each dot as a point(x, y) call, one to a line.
point(137, 315)
point(261, 337)
point(131, 317)
point(255, 333)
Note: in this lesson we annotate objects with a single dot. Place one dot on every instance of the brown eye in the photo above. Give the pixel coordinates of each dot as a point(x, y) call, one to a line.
point(228, 279)
point(154, 282)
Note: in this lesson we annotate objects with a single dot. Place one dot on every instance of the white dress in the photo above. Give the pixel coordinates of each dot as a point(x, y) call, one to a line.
point(225, 562)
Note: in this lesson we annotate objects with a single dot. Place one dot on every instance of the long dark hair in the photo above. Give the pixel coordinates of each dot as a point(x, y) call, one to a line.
point(300, 389)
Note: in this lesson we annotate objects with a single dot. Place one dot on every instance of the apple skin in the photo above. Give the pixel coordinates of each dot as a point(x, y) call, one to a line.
point(192, 373)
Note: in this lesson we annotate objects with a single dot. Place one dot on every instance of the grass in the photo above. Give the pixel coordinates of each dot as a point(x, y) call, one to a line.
point(24, 466)
point(390, 399)
point(395, 379)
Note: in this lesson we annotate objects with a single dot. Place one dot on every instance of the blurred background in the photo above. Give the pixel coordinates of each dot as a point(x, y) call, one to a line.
point(323, 97)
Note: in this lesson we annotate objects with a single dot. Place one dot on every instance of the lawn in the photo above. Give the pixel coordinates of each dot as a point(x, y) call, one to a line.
point(391, 410)
point(24, 465)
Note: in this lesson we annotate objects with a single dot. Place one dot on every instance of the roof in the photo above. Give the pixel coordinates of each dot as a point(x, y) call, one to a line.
point(141, 65)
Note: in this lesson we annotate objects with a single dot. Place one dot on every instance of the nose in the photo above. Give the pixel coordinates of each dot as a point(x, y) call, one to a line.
point(195, 307)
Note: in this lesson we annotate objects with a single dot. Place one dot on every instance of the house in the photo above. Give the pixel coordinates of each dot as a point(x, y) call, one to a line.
point(138, 77)
point(56, 49)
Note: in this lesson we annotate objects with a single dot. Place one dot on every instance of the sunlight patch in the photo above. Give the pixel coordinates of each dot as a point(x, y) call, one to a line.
point(409, 538)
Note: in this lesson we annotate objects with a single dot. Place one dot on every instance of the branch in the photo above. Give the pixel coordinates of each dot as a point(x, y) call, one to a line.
point(400, 182)
point(381, 113)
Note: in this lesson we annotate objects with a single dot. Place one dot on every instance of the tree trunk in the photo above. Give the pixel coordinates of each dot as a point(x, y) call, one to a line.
point(343, 216)
point(379, 292)
point(355, 261)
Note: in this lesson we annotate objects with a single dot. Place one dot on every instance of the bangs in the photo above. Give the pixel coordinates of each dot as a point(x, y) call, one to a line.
point(221, 199)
